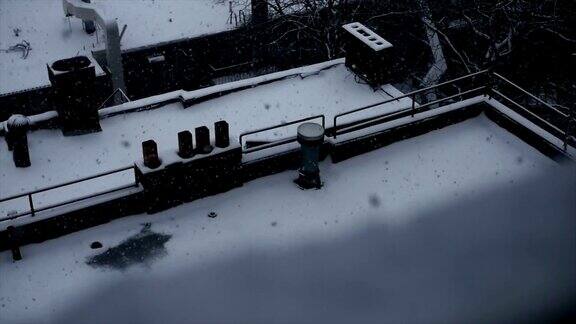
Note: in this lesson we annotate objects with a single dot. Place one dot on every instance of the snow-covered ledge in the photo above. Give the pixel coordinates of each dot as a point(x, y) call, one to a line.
point(193, 96)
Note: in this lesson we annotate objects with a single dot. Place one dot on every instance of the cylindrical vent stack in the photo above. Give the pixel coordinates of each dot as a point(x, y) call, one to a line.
point(222, 134)
point(310, 136)
point(150, 154)
point(203, 145)
point(17, 127)
point(185, 145)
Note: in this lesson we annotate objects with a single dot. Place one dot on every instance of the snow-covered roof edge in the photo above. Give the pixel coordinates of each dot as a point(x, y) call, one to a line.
point(36, 121)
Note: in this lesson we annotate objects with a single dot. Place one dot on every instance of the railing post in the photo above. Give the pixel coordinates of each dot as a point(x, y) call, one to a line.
point(136, 180)
point(568, 131)
point(413, 104)
point(489, 83)
point(31, 204)
point(334, 127)
point(14, 242)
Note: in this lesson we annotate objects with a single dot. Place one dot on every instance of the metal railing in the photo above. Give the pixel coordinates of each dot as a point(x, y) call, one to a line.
point(548, 117)
point(562, 126)
point(32, 210)
point(498, 76)
point(489, 87)
point(413, 110)
point(279, 142)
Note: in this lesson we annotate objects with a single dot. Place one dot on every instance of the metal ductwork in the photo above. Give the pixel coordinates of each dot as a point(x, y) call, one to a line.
point(88, 12)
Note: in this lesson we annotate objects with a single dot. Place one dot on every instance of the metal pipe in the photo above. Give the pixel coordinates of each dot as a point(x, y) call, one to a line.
point(270, 145)
point(281, 125)
point(86, 11)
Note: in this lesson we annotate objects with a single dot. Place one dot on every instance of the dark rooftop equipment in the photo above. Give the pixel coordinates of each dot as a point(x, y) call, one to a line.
point(367, 54)
point(185, 145)
point(150, 154)
point(203, 145)
point(259, 11)
point(73, 94)
point(222, 135)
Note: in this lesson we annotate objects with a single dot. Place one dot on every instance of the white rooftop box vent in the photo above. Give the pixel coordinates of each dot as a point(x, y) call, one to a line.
point(367, 36)
point(368, 55)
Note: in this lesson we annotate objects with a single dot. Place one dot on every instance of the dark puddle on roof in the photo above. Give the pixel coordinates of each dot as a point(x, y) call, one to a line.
point(142, 248)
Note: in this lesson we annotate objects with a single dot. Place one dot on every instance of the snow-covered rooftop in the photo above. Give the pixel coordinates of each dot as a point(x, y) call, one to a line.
point(57, 159)
point(376, 243)
point(52, 36)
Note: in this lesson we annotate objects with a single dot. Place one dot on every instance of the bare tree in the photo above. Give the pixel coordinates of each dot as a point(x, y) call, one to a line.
point(487, 33)
point(498, 24)
point(464, 35)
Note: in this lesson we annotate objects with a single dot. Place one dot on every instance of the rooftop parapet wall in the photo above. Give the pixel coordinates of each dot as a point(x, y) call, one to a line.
point(385, 113)
point(402, 114)
point(180, 180)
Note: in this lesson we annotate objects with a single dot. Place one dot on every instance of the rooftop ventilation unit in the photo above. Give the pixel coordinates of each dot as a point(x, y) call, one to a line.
point(72, 82)
point(367, 54)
